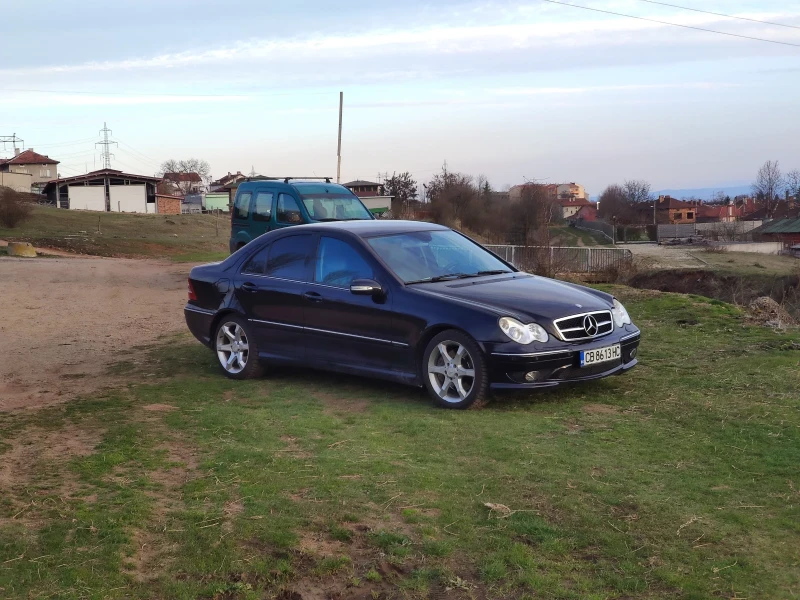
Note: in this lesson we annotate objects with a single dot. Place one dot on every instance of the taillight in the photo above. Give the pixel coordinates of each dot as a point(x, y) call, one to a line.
point(192, 295)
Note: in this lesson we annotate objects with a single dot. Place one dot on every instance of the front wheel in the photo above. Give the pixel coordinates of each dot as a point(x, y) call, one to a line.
point(454, 371)
point(236, 348)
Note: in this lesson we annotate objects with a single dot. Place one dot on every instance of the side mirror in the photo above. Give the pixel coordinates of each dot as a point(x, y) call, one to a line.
point(366, 287)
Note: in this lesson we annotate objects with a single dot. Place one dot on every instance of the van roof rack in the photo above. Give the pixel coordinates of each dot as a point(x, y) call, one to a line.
point(286, 179)
point(326, 179)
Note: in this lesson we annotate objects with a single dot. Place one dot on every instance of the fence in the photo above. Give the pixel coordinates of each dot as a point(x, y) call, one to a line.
point(555, 259)
point(733, 231)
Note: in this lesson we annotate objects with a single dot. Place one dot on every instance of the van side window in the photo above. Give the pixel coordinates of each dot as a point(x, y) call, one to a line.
point(241, 208)
point(257, 262)
point(288, 211)
point(262, 206)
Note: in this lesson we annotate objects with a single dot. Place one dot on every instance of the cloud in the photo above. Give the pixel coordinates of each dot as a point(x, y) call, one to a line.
point(539, 91)
point(577, 31)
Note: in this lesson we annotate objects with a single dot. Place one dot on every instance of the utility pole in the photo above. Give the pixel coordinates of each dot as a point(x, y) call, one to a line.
point(339, 151)
point(105, 153)
point(11, 139)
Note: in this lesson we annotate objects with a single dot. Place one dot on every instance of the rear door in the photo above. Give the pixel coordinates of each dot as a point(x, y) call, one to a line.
point(343, 329)
point(240, 220)
point(270, 289)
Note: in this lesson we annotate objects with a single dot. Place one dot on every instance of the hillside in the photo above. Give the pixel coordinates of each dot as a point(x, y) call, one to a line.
point(192, 238)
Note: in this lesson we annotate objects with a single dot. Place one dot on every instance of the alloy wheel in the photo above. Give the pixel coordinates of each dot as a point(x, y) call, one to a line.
point(451, 371)
point(233, 348)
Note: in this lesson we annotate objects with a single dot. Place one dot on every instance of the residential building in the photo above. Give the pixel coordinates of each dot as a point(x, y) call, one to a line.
point(184, 183)
point(364, 189)
point(668, 210)
point(786, 230)
point(515, 193)
point(571, 190)
point(106, 190)
point(571, 206)
point(41, 168)
point(223, 183)
point(585, 213)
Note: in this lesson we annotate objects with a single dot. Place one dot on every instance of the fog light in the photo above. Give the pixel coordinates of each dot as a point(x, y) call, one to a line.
point(633, 353)
point(531, 375)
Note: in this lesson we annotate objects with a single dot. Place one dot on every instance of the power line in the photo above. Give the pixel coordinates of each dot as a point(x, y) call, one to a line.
point(609, 12)
point(708, 12)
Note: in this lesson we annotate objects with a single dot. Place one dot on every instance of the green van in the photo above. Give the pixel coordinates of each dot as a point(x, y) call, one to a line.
point(267, 204)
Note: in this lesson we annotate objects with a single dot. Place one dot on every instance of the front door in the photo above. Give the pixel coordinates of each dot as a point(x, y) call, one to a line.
point(270, 289)
point(353, 333)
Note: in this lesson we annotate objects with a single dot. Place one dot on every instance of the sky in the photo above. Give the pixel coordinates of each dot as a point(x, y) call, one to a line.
point(515, 91)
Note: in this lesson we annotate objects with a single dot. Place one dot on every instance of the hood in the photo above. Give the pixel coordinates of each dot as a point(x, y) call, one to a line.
point(524, 296)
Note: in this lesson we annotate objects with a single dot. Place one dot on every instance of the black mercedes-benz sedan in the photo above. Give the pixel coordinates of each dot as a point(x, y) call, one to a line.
point(411, 302)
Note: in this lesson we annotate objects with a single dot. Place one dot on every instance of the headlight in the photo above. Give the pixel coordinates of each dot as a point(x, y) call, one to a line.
point(621, 316)
point(521, 333)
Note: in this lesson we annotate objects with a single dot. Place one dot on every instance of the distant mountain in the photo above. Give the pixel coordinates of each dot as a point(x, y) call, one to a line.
point(706, 193)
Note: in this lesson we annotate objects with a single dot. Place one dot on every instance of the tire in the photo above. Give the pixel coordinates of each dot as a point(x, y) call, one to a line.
point(236, 348)
point(454, 371)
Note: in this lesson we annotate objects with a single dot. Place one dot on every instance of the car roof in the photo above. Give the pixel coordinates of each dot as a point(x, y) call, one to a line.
point(370, 228)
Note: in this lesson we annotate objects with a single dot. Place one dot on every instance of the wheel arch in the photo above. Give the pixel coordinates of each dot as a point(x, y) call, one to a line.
point(431, 333)
point(215, 323)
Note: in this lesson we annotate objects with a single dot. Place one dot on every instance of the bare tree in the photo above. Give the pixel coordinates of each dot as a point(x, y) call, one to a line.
point(614, 202)
point(792, 182)
point(180, 173)
point(768, 184)
point(637, 191)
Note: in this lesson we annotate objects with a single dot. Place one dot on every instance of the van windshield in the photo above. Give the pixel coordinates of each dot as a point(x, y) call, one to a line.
point(332, 207)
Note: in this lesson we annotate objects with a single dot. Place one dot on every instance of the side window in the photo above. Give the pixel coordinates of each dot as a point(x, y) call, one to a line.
point(288, 211)
point(289, 258)
point(338, 263)
point(241, 208)
point(257, 263)
point(262, 206)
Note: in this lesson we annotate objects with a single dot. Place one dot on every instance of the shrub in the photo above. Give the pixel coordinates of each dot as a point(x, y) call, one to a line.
point(15, 207)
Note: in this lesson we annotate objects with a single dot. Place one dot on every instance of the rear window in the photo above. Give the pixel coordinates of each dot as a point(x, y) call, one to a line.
point(241, 208)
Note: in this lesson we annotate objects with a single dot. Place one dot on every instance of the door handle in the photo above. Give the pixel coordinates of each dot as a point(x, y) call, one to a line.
point(249, 287)
point(312, 296)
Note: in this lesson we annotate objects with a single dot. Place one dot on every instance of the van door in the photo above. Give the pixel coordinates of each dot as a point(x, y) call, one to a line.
point(288, 212)
point(240, 220)
point(261, 213)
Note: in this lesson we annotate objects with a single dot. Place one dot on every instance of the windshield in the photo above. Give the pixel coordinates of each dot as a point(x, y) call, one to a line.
point(330, 202)
point(435, 255)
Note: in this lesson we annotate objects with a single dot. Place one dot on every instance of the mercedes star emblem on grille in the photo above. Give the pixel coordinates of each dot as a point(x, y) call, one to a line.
point(590, 325)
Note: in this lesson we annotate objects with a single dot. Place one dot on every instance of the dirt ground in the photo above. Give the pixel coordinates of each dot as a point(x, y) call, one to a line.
point(65, 320)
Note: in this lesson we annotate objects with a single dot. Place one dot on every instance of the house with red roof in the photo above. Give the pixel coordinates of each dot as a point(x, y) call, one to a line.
point(41, 168)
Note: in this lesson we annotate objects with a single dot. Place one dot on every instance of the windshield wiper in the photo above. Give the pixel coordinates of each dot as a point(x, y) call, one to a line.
point(494, 272)
point(444, 277)
point(327, 219)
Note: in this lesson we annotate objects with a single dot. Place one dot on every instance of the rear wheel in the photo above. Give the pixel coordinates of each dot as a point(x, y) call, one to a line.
point(454, 371)
point(236, 349)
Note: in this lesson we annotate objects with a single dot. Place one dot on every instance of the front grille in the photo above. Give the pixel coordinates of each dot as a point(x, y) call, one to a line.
point(585, 326)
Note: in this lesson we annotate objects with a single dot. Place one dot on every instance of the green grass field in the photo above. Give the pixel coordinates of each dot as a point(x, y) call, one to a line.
point(564, 235)
point(184, 238)
point(749, 263)
point(678, 480)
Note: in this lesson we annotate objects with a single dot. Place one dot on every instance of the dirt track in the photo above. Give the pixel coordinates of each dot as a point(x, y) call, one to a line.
point(64, 320)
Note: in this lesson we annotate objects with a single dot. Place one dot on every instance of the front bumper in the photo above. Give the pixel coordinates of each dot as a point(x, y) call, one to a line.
point(559, 366)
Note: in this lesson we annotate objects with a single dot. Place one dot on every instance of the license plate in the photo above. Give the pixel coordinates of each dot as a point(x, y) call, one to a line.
point(600, 355)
